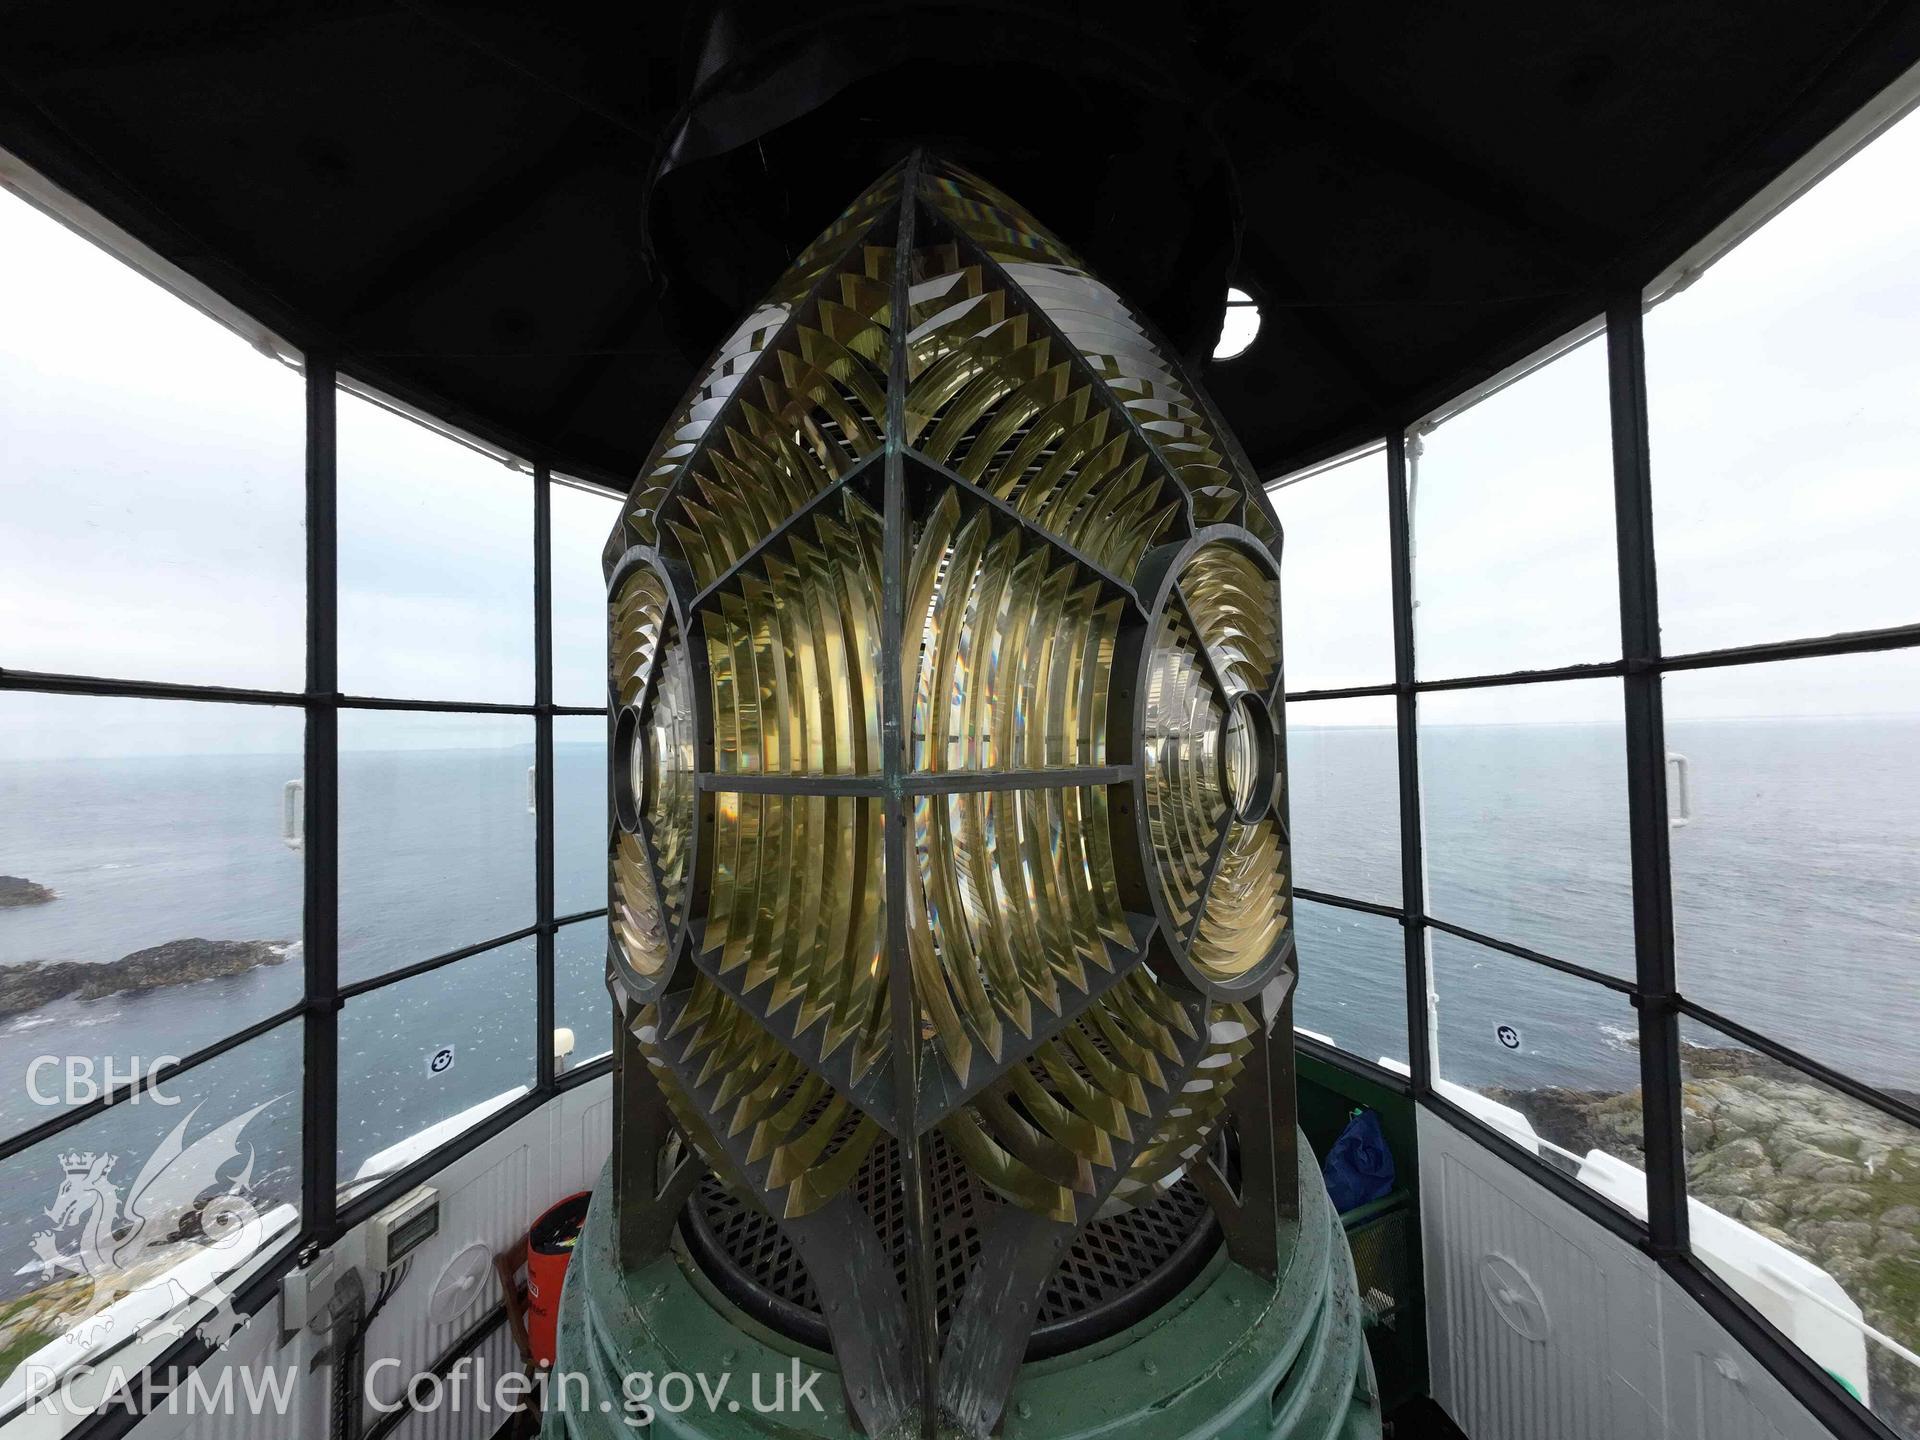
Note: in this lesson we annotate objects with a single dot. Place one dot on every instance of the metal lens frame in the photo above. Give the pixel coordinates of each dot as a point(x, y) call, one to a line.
point(932, 610)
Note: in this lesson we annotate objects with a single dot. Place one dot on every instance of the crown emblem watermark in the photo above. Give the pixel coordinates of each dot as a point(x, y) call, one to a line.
point(147, 1256)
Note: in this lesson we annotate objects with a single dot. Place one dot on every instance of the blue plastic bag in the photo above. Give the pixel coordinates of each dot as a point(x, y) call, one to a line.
point(1359, 1167)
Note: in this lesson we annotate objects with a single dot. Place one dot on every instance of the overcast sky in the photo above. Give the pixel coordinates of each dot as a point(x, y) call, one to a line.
point(152, 526)
point(1784, 399)
point(151, 509)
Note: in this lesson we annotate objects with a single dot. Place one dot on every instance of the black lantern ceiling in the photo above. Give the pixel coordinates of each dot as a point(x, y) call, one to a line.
point(534, 222)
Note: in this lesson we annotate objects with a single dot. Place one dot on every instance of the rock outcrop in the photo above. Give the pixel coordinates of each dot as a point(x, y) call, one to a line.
point(1825, 1176)
point(16, 891)
point(178, 962)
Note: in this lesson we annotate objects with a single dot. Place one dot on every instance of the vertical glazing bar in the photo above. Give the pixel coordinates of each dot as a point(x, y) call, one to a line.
point(1413, 874)
point(543, 767)
point(321, 923)
point(1646, 781)
point(905, 1022)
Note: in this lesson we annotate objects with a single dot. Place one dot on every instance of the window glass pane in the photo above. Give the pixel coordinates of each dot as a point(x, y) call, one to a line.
point(191, 1222)
point(579, 813)
point(1783, 426)
point(1353, 990)
point(435, 562)
point(424, 1059)
point(1524, 797)
point(149, 903)
point(1796, 876)
point(580, 999)
point(1807, 1203)
point(152, 469)
point(580, 522)
point(436, 834)
point(1513, 565)
point(1338, 578)
point(1549, 1060)
point(1343, 773)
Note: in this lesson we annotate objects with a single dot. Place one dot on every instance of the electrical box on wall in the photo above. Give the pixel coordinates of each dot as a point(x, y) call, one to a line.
point(402, 1227)
point(306, 1293)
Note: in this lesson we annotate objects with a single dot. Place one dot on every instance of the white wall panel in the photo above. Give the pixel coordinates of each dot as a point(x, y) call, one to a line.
point(256, 1371)
point(490, 1207)
point(1543, 1325)
point(489, 1196)
point(1717, 1391)
point(466, 1410)
point(1538, 1331)
point(1546, 1326)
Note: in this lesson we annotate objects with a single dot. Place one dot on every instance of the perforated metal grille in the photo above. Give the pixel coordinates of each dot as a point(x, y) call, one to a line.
point(1380, 1263)
point(1116, 1255)
point(1120, 1268)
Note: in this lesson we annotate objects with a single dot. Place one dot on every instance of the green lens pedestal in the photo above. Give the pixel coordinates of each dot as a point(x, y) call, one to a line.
point(1232, 1357)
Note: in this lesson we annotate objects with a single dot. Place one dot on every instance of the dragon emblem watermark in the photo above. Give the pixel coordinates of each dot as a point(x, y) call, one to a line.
point(163, 1245)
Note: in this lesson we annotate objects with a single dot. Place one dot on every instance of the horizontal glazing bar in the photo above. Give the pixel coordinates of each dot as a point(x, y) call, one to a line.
point(1599, 671)
point(1786, 1055)
point(1333, 1055)
point(421, 967)
point(37, 680)
point(1583, 1199)
point(365, 1204)
point(1347, 902)
point(581, 1074)
point(1852, 642)
point(1349, 692)
point(43, 682)
point(1521, 952)
point(79, 1114)
point(1897, 637)
point(458, 707)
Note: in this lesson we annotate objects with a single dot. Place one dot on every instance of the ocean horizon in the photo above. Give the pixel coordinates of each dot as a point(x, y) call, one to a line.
point(1525, 840)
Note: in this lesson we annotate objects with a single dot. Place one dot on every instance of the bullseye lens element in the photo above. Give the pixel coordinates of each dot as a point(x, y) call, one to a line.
point(1211, 783)
point(653, 777)
point(629, 769)
point(1246, 753)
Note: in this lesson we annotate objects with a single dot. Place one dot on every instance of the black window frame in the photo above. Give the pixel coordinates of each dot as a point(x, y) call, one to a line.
point(324, 1216)
point(1654, 990)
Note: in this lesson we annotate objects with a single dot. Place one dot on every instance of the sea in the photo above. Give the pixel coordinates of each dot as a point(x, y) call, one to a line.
point(437, 852)
point(1796, 892)
point(1796, 911)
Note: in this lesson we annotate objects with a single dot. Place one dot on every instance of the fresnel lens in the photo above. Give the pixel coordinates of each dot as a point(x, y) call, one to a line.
point(951, 908)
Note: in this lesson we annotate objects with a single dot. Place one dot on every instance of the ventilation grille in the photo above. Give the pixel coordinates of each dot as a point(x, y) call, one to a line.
point(1121, 1268)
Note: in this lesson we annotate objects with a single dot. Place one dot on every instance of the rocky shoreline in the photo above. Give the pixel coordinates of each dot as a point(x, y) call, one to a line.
point(178, 962)
point(1825, 1176)
point(16, 891)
